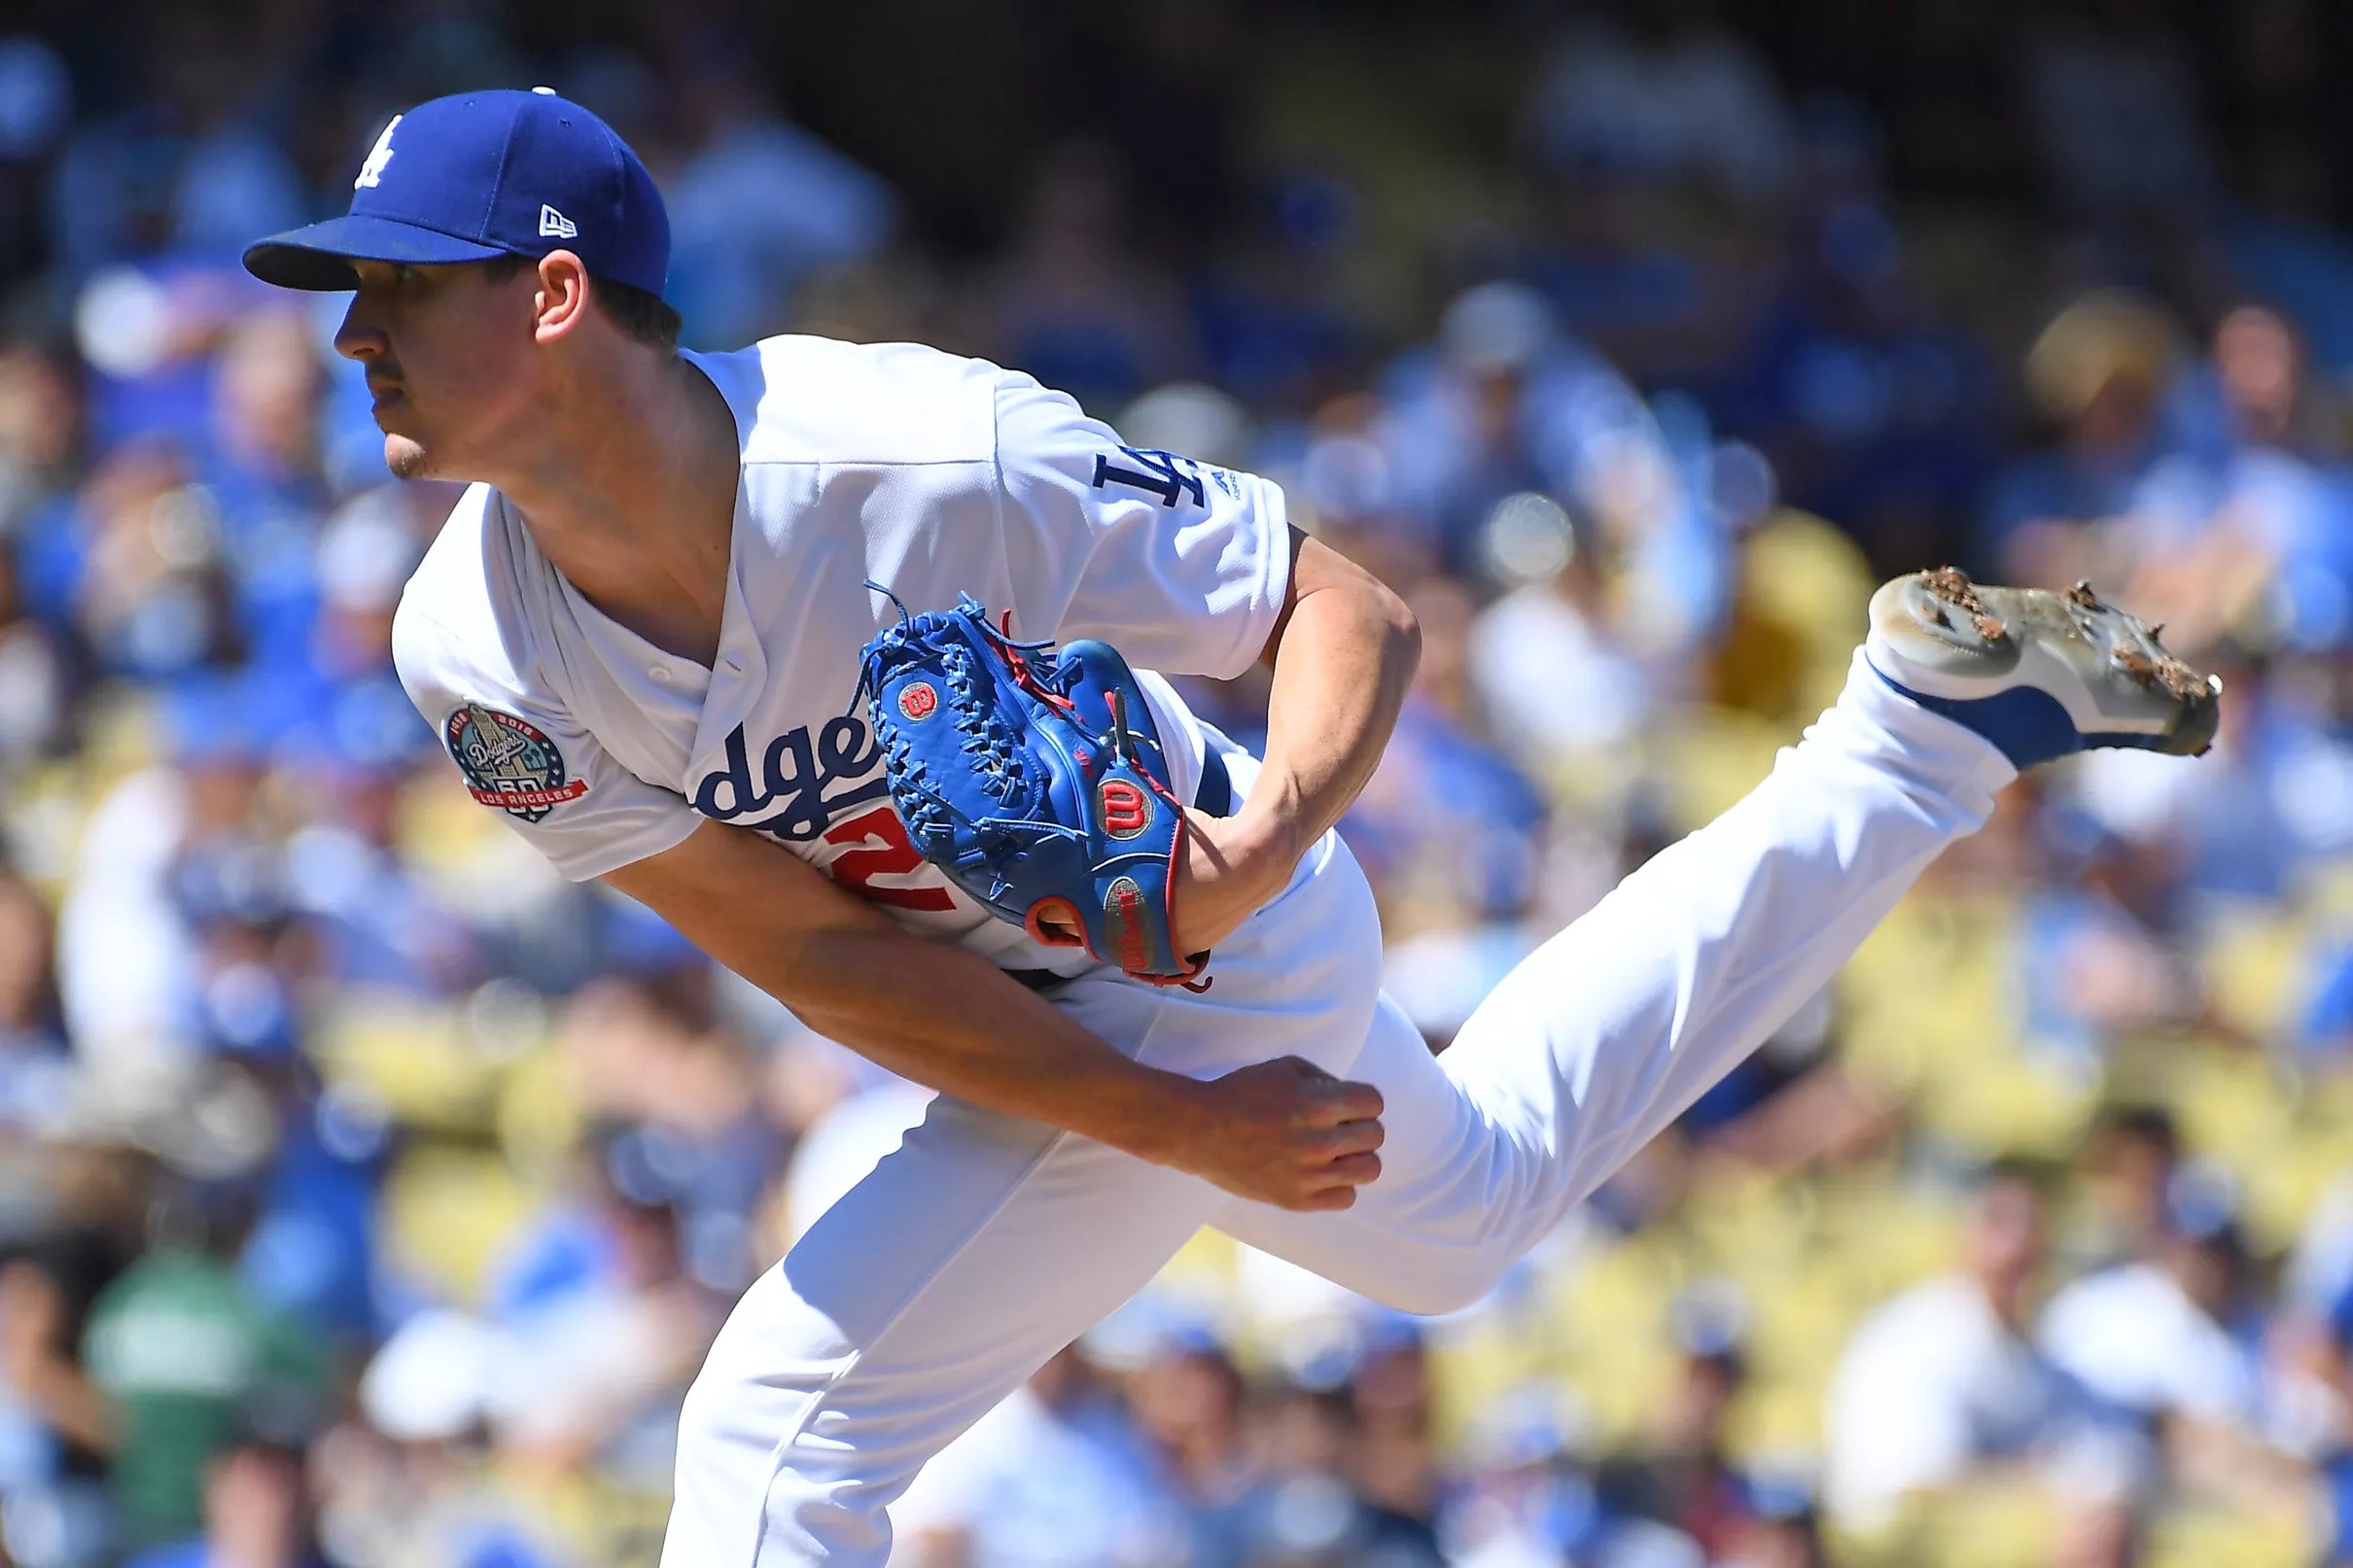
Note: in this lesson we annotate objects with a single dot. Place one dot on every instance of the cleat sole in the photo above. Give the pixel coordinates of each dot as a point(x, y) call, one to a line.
point(2107, 668)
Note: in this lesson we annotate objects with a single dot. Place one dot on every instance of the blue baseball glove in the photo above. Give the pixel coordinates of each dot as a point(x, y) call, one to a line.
point(1035, 780)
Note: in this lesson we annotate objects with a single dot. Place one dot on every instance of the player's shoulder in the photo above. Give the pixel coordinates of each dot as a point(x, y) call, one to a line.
point(820, 401)
point(466, 620)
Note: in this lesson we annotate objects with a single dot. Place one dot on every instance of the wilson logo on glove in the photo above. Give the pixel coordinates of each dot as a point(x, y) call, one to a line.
point(1123, 916)
point(1037, 794)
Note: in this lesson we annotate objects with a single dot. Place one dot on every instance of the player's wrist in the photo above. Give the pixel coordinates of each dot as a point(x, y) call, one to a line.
point(1161, 1117)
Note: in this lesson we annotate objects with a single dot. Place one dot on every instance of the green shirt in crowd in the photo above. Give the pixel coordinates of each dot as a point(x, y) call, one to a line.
point(188, 1358)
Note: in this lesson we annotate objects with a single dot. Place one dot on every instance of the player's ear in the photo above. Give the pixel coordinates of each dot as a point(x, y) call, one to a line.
point(561, 302)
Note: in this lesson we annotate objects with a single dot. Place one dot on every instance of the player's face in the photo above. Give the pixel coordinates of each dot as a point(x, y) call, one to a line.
point(444, 348)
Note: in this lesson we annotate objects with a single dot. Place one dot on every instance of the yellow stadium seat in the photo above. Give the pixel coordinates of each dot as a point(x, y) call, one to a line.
point(416, 1059)
point(2251, 959)
point(2216, 1537)
point(447, 1214)
point(1710, 757)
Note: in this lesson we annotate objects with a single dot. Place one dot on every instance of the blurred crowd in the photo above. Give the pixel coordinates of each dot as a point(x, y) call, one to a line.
point(368, 1193)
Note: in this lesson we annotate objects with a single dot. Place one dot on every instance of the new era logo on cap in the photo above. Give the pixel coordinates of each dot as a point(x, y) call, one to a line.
point(555, 225)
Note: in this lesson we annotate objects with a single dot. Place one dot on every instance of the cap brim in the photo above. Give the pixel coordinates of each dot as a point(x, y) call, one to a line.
point(320, 256)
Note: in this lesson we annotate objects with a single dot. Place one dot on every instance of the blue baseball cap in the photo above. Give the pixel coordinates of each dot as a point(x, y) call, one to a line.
point(479, 175)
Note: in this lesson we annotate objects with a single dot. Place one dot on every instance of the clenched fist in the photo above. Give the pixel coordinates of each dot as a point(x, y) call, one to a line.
point(1285, 1133)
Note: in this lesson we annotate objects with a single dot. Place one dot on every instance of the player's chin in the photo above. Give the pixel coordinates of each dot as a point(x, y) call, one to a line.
point(407, 457)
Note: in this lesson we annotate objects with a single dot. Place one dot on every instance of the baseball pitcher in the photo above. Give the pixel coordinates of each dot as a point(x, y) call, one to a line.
point(695, 630)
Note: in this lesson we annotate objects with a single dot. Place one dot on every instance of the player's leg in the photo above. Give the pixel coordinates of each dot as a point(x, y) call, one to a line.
point(969, 1256)
point(1615, 1026)
point(929, 1292)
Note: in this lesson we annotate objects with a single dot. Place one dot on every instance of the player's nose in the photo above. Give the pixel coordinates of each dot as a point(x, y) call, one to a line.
point(360, 338)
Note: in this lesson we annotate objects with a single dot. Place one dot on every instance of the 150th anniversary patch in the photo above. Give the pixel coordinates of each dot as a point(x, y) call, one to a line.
point(509, 763)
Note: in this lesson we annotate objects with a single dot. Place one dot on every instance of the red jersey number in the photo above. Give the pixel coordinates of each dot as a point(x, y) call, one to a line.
point(856, 869)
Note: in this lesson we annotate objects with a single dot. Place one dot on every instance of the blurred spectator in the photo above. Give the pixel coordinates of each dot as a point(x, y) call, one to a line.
point(2103, 955)
point(189, 169)
point(1940, 1386)
point(311, 1253)
point(1872, 409)
point(604, 1328)
point(1686, 1479)
point(757, 203)
point(2263, 552)
point(676, 1090)
point(2098, 373)
point(260, 477)
point(40, 455)
point(1557, 617)
point(1187, 1402)
point(1055, 1476)
point(185, 1356)
point(1524, 1503)
point(40, 433)
point(1395, 1465)
point(2246, 826)
point(1072, 301)
point(2126, 1169)
point(257, 1512)
point(1445, 821)
point(1462, 420)
point(55, 1428)
point(128, 958)
point(2170, 1338)
point(37, 678)
point(36, 1069)
point(143, 575)
point(2314, 1348)
point(1644, 134)
point(1677, 101)
point(1791, 1104)
point(410, 1485)
point(1277, 320)
point(2121, 123)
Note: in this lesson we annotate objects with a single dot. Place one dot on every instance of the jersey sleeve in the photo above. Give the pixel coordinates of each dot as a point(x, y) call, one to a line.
point(521, 754)
point(1179, 565)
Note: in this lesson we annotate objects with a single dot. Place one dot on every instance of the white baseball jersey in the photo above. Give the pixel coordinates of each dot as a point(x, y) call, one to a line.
point(893, 463)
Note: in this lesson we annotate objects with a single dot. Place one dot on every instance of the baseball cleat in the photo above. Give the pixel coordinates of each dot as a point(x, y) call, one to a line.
point(2038, 674)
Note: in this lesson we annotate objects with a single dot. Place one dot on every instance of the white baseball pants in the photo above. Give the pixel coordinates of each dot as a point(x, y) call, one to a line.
point(985, 1243)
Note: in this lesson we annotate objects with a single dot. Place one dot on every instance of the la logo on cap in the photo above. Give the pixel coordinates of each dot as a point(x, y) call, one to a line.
point(372, 172)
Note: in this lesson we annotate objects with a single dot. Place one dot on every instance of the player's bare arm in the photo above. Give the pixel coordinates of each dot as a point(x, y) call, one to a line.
point(1281, 1131)
point(1342, 652)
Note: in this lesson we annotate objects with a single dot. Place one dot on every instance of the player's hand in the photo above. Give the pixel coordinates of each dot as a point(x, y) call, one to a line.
point(1230, 868)
point(1288, 1133)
